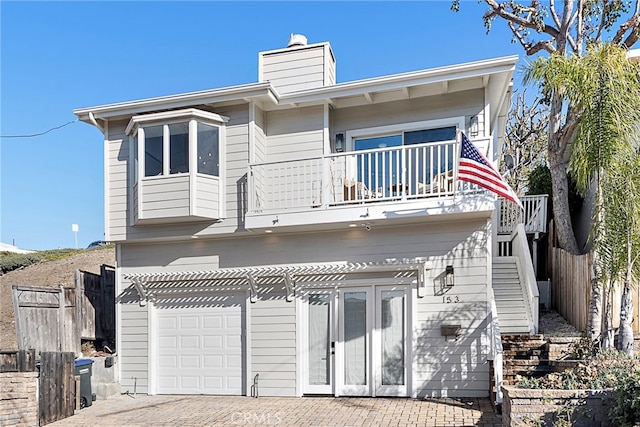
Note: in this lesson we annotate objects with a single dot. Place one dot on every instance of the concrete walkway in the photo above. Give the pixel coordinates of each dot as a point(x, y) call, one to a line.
point(280, 411)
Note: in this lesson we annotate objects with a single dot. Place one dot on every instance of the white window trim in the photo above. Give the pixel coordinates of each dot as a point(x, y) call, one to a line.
point(191, 116)
point(353, 134)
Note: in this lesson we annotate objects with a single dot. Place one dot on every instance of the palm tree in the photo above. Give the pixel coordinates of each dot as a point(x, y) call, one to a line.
point(604, 88)
point(622, 218)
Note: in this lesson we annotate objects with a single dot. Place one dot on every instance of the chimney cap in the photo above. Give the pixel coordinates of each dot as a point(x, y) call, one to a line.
point(297, 40)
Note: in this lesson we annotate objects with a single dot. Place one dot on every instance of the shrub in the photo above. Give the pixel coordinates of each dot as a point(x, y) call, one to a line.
point(626, 409)
point(11, 261)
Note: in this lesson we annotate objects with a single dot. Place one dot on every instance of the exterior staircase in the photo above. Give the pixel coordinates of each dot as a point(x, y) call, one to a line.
point(514, 314)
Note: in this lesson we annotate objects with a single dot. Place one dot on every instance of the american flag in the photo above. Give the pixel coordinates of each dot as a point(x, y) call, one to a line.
point(475, 168)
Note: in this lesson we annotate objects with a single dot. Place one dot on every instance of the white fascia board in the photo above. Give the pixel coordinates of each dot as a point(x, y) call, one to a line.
point(175, 101)
point(175, 114)
point(398, 81)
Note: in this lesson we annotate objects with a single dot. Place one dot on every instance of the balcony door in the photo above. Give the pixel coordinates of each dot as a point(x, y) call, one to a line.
point(389, 172)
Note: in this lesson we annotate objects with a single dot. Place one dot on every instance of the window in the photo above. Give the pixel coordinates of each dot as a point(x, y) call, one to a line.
point(153, 152)
point(166, 145)
point(208, 149)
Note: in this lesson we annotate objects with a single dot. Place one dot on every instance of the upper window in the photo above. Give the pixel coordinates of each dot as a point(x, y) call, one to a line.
point(177, 142)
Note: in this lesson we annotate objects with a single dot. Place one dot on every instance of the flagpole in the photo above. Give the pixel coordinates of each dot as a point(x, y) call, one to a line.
point(457, 162)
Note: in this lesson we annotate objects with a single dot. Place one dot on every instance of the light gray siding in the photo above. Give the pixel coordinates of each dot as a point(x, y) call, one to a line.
point(207, 196)
point(165, 197)
point(273, 342)
point(260, 147)
point(294, 134)
point(298, 68)
point(117, 181)
point(133, 350)
point(119, 222)
point(441, 367)
point(467, 103)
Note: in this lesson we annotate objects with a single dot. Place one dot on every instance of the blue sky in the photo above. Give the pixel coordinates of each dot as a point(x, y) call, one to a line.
point(57, 56)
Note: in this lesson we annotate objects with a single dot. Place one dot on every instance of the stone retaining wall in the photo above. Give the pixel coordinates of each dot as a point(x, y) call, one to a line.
point(19, 399)
point(526, 407)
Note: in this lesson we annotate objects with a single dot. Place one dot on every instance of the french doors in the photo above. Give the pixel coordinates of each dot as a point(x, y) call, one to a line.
point(358, 341)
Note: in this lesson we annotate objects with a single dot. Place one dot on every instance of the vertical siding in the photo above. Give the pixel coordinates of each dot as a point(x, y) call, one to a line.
point(273, 343)
point(295, 69)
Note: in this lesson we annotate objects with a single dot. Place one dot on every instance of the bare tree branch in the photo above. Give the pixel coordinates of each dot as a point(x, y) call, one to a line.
point(632, 24)
point(554, 14)
point(499, 10)
point(602, 21)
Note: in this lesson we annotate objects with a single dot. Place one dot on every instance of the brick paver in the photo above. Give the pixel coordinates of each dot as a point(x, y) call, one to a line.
point(194, 411)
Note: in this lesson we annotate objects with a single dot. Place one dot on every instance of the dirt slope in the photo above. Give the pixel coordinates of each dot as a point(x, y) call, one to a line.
point(46, 274)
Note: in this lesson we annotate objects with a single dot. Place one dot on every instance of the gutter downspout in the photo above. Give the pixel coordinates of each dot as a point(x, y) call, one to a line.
point(95, 122)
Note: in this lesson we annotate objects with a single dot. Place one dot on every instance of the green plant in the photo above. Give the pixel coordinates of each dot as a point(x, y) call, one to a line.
point(12, 261)
point(626, 409)
point(582, 349)
point(539, 180)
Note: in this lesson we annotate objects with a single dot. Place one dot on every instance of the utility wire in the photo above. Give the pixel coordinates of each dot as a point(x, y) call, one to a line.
point(33, 135)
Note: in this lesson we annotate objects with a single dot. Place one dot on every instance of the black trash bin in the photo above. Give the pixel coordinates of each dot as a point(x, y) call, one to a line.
point(83, 369)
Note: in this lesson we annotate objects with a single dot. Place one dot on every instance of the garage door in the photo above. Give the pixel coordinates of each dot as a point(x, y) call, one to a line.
point(200, 348)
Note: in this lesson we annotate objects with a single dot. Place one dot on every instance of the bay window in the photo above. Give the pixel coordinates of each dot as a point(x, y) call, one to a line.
point(175, 166)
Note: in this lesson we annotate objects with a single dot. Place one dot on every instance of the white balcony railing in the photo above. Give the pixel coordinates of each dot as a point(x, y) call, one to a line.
point(367, 176)
point(534, 217)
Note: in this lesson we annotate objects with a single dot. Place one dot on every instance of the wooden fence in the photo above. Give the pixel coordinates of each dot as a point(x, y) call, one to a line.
point(571, 286)
point(57, 387)
point(46, 318)
point(97, 315)
point(57, 319)
point(571, 290)
point(18, 361)
point(56, 391)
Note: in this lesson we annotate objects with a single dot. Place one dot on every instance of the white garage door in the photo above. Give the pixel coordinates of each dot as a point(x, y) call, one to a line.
point(200, 348)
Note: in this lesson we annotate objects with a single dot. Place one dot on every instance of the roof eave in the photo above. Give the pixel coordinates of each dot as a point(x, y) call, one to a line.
point(434, 75)
point(129, 108)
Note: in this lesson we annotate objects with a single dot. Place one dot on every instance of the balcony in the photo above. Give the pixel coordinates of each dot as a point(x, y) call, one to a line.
point(377, 184)
point(534, 216)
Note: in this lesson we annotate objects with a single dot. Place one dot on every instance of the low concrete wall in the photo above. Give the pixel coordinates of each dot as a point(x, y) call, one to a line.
point(19, 399)
point(525, 407)
point(104, 377)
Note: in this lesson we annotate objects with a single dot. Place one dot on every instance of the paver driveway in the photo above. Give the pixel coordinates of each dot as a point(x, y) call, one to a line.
point(145, 410)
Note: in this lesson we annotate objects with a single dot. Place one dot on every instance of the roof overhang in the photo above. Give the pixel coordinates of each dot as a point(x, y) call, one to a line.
point(124, 110)
point(494, 74)
point(149, 286)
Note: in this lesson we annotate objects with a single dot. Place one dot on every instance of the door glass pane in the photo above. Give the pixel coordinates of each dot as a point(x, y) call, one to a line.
point(379, 170)
point(427, 162)
point(392, 335)
point(153, 150)
point(179, 148)
point(319, 355)
point(355, 342)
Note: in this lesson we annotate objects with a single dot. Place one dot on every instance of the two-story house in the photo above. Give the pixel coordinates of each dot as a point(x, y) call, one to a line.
point(308, 236)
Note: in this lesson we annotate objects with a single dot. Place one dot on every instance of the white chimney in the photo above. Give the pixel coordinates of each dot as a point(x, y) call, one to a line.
point(299, 66)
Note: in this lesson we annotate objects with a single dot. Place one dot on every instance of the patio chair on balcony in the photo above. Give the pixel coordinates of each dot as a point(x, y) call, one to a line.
point(442, 183)
point(355, 191)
